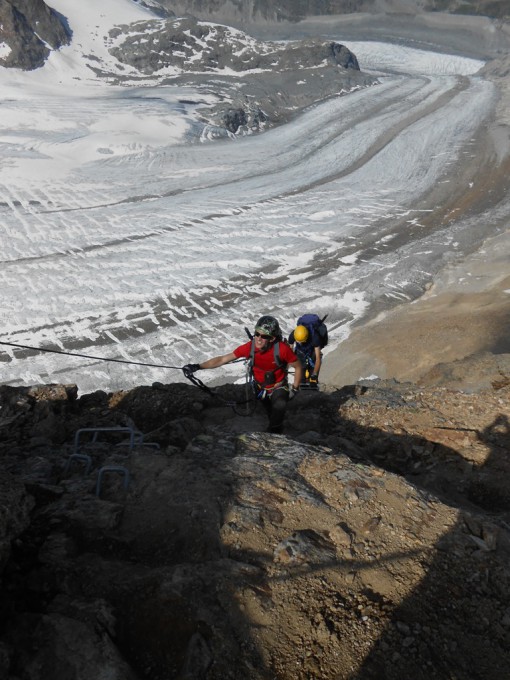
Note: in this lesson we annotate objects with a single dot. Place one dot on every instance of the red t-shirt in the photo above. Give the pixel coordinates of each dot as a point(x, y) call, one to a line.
point(265, 361)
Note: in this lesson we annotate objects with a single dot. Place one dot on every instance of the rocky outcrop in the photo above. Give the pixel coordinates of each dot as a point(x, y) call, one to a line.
point(371, 540)
point(29, 30)
point(156, 8)
point(190, 45)
point(264, 83)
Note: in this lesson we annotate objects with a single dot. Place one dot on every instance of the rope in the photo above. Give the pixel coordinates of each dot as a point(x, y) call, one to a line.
point(191, 377)
point(198, 383)
point(87, 356)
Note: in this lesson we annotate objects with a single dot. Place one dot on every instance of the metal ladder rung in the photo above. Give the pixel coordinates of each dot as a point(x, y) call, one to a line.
point(79, 456)
point(111, 468)
point(98, 430)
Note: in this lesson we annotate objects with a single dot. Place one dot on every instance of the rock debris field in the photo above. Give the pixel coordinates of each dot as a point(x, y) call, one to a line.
point(370, 540)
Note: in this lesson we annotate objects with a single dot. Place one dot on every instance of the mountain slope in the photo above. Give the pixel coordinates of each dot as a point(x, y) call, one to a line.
point(249, 11)
point(371, 540)
point(124, 42)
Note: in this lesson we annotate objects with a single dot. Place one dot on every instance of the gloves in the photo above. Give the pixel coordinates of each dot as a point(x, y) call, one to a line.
point(314, 378)
point(189, 369)
point(292, 392)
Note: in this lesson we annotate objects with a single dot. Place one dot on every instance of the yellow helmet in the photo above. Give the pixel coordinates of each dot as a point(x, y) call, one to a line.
point(301, 334)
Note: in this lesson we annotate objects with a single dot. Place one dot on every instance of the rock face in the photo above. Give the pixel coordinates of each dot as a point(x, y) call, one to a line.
point(190, 45)
point(28, 29)
point(247, 11)
point(371, 540)
point(264, 82)
point(14, 515)
point(277, 80)
point(266, 10)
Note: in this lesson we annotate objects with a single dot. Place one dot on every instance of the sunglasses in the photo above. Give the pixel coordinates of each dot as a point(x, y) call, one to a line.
point(264, 337)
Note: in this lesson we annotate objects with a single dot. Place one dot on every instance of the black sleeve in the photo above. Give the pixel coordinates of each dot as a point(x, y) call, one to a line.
point(291, 338)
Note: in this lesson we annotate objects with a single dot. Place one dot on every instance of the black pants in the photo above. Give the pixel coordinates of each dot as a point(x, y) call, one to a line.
point(275, 405)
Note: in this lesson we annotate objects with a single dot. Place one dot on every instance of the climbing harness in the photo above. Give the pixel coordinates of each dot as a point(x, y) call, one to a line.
point(265, 389)
point(249, 402)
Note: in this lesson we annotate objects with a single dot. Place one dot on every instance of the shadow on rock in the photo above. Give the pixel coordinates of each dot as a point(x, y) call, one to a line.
point(360, 544)
point(455, 622)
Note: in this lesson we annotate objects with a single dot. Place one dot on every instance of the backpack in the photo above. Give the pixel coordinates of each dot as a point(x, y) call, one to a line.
point(316, 327)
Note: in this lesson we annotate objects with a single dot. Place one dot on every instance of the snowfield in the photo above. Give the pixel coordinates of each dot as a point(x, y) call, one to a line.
point(127, 233)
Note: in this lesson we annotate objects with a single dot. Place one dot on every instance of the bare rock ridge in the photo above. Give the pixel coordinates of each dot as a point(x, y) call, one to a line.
point(194, 46)
point(278, 79)
point(30, 29)
point(371, 540)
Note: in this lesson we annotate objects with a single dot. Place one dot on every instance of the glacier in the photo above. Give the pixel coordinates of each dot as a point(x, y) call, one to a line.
point(129, 230)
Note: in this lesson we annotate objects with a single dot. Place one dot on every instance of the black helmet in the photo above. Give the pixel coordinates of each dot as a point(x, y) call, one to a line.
point(268, 325)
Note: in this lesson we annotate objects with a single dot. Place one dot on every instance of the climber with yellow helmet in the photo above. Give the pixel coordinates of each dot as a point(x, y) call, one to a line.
point(307, 340)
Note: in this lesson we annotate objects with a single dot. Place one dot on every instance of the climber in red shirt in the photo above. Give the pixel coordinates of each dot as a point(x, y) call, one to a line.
point(270, 358)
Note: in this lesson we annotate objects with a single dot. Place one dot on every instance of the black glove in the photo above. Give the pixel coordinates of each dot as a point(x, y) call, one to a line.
point(314, 378)
point(292, 392)
point(189, 369)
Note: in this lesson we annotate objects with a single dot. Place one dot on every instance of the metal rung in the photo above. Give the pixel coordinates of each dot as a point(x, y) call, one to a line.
point(111, 468)
point(98, 430)
point(314, 387)
point(79, 456)
point(154, 445)
point(138, 438)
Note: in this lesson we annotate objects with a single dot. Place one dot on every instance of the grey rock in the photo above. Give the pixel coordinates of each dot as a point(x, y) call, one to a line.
point(305, 546)
point(233, 119)
point(190, 45)
point(269, 11)
point(198, 659)
point(156, 8)
point(193, 52)
point(87, 514)
point(259, 10)
point(15, 507)
point(471, 374)
point(4, 660)
point(65, 648)
point(30, 28)
point(56, 549)
point(224, 542)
